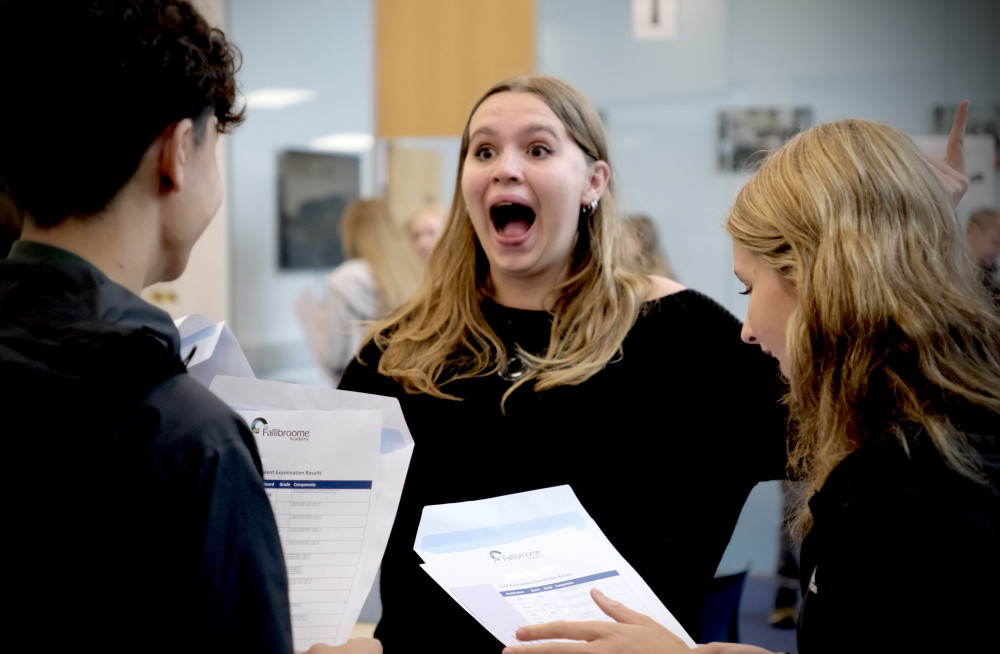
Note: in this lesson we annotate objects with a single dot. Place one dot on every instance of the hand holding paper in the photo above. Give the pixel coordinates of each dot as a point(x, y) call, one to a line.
point(530, 558)
point(630, 633)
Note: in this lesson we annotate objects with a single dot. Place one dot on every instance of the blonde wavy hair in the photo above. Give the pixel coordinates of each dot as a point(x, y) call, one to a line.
point(441, 334)
point(368, 232)
point(892, 331)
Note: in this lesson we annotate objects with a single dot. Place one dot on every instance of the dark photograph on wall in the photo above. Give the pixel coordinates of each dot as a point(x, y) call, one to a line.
point(747, 135)
point(983, 119)
point(313, 191)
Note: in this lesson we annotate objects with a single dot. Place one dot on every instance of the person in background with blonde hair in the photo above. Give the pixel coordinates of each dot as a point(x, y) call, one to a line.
point(380, 273)
point(532, 357)
point(425, 230)
point(983, 236)
point(642, 246)
point(861, 286)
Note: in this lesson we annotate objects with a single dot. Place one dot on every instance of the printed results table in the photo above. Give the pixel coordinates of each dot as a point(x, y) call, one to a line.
point(570, 599)
point(322, 526)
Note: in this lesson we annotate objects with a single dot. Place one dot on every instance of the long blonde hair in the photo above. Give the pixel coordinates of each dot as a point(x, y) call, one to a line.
point(441, 335)
point(892, 332)
point(368, 232)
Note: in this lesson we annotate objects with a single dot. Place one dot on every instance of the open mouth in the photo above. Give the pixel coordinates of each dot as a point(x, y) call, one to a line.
point(511, 219)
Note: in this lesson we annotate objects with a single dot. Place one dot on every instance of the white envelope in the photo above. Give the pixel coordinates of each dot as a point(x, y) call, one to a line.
point(209, 349)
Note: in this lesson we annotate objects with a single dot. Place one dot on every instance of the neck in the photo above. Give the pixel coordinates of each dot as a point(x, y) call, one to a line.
point(116, 241)
point(534, 293)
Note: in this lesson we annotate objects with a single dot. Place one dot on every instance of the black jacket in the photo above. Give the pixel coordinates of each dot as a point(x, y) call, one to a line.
point(139, 516)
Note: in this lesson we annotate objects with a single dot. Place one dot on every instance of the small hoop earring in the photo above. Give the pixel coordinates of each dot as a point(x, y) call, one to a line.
point(588, 209)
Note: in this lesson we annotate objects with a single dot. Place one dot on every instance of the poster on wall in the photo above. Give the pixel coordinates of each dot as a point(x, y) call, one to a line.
point(313, 191)
point(746, 135)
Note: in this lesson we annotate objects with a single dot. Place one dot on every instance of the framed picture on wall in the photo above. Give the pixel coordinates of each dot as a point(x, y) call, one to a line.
point(313, 191)
point(746, 135)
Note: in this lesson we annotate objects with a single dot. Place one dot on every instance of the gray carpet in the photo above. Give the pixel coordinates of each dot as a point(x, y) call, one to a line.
point(755, 607)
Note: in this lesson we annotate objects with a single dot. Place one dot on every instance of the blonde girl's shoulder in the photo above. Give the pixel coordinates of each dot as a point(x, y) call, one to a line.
point(661, 287)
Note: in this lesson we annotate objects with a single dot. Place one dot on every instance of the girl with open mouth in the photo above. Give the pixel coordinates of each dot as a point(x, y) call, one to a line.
point(532, 357)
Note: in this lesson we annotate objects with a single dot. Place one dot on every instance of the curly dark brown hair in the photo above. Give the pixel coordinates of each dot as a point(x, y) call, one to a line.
point(89, 84)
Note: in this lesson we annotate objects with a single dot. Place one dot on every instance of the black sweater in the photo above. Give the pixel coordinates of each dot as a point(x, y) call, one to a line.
point(904, 554)
point(661, 447)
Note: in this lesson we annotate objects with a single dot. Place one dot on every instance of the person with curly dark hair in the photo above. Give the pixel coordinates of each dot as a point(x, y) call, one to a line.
point(141, 520)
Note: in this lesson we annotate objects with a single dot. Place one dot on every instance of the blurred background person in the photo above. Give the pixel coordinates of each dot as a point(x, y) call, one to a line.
point(379, 274)
point(786, 597)
point(984, 243)
point(642, 247)
point(425, 230)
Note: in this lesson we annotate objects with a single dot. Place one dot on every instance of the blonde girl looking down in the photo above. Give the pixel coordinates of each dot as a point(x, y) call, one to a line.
point(862, 288)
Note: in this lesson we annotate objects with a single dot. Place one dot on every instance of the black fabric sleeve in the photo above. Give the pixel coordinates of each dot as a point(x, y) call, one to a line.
point(743, 387)
point(904, 571)
point(243, 567)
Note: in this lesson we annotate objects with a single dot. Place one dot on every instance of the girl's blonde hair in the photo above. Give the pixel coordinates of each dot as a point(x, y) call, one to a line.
point(441, 335)
point(368, 232)
point(893, 331)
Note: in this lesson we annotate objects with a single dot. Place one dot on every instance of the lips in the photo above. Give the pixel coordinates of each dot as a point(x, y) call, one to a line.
point(512, 220)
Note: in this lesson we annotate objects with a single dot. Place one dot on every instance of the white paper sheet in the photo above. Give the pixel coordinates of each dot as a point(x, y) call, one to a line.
point(320, 406)
point(529, 558)
point(320, 471)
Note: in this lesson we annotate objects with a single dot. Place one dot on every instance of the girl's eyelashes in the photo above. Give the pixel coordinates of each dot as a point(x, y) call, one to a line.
point(535, 151)
point(538, 151)
point(483, 153)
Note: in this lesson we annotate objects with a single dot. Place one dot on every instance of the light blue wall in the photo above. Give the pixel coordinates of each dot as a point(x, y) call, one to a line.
point(308, 44)
point(887, 60)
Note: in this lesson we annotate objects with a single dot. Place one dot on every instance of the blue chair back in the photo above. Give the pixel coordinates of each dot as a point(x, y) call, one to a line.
point(720, 621)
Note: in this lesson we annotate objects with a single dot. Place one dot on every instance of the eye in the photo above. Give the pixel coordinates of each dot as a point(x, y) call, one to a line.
point(539, 151)
point(484, 153)
point(746, 290)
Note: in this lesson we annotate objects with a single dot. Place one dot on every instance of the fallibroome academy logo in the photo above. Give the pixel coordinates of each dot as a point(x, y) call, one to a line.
point(500, 557)
point(259, 426)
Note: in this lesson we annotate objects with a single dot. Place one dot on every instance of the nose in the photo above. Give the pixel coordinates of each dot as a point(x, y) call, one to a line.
point(746, 334)
point(507, 167)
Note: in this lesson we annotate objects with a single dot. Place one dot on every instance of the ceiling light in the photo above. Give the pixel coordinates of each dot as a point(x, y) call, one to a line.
point(275, 98)
point(343, 142)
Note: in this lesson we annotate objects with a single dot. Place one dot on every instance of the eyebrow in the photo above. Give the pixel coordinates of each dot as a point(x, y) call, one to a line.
point(533, 128)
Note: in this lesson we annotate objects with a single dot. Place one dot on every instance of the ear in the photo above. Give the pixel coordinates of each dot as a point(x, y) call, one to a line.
point(177, 139)
point(600, 174)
